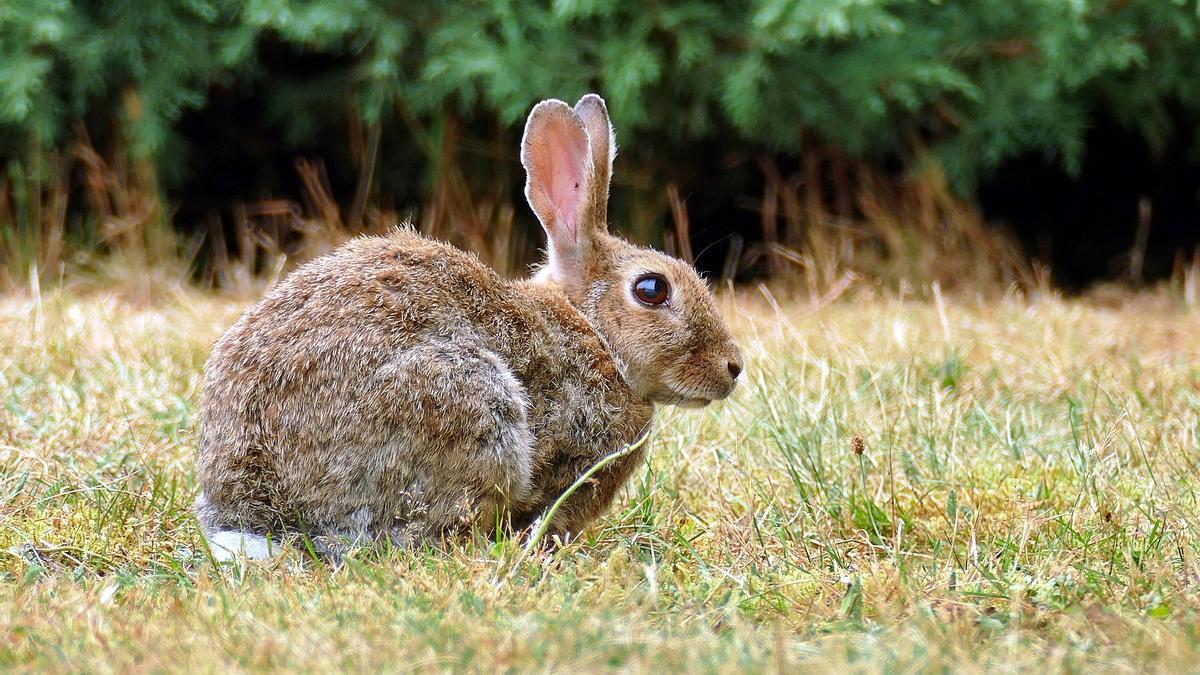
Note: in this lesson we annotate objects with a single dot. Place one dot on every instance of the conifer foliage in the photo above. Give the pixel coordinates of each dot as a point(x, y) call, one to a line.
point(968, 84)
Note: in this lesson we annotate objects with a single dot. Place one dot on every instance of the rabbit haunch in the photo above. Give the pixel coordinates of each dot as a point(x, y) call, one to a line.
point(399, 389)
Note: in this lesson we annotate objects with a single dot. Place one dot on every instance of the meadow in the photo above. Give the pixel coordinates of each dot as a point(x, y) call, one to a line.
point(897, 485)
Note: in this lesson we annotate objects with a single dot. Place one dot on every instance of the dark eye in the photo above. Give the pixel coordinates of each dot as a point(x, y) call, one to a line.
point(651, 289)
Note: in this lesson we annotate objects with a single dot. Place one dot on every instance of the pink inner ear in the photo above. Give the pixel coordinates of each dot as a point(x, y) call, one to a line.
point(562, 157)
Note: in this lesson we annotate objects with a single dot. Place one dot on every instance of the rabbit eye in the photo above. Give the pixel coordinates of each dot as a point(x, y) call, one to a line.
point(651, 289)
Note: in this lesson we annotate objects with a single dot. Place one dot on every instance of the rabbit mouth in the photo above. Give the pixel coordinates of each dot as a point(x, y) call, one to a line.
point(701, 395)
point(692, 396)
point(689, 399)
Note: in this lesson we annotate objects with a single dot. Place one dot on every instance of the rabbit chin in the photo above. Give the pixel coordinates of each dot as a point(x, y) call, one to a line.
point(689, 399)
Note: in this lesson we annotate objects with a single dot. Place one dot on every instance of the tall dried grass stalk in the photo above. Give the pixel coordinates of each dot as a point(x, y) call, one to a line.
point(455, 214)
point(1186, 277)
point(123, 197)
point(907, 232)
point(679, 238)
point(33, 214)
point(828, 223)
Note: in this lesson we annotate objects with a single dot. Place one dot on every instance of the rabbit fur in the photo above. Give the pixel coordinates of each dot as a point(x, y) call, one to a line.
point(398, 389)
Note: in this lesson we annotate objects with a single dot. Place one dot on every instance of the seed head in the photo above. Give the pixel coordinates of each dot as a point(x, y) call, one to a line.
point(857, 445)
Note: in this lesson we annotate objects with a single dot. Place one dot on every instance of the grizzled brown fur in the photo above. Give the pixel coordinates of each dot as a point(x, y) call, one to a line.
point(399, 389)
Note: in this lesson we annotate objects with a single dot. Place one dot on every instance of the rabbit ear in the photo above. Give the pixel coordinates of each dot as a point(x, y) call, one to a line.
point(603, 145)
point(567, 157)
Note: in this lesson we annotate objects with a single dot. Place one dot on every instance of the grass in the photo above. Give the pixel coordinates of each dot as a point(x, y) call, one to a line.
point(897, 486)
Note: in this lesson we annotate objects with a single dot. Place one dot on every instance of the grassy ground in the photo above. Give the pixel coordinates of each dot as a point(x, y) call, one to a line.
point(1024, 498)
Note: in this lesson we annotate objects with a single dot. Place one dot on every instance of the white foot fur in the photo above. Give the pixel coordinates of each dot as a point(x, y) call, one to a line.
point(231, 544)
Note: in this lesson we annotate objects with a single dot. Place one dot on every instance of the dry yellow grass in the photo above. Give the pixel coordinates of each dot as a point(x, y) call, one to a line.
point(1024, 498)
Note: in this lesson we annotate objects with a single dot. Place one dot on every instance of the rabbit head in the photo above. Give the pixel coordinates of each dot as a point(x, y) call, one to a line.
point(655, 313)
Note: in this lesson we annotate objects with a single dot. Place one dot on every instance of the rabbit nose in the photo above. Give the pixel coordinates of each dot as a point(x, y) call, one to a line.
point(735, 369)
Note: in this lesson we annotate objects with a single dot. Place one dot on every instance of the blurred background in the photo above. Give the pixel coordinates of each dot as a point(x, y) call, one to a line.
point(807, 143)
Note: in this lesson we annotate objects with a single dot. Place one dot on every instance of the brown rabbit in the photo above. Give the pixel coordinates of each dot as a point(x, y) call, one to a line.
point(398, 389)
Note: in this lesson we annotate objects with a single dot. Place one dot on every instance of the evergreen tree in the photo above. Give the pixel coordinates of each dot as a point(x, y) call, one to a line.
point(969, 84)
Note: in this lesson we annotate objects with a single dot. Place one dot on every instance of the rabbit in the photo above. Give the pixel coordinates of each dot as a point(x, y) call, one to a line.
point(398, 389)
